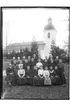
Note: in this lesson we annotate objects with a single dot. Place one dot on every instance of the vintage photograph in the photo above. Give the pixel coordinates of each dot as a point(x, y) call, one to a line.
point(35, 53)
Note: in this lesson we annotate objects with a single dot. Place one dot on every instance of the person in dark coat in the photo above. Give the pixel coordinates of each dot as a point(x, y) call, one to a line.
point(29, 61)
point(32, 63)
point(18, 60)
point(56, 61)
point(23, 59)
point(35, 58)
point(61, 72)
point(56, 75)
point(35, 76)
point(45, 63)
point(13, 60)
point(29, 75)
point(25, 64)
point(10, 74)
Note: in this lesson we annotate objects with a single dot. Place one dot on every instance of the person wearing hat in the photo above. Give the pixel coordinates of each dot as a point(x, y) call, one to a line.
point(21, 79)
point(47, 80)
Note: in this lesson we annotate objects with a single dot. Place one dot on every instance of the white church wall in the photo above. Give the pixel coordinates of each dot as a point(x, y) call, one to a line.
point(48, 41)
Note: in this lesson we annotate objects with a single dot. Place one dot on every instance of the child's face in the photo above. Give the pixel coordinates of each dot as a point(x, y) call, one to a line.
point(56, 67)
point(51, 68)
point(26, 61)
point(32, 59)
point(18, 58)
point(60, 60)
point(23, 57)
point(28, 57)
point(39, 60)
point(28, 67)
point(13, 58)
point(46, 68)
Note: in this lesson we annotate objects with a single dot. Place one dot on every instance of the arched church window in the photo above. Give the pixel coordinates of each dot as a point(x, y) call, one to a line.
point(48, 35)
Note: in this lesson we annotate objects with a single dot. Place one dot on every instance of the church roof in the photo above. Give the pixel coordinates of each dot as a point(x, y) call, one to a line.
point(49, 26)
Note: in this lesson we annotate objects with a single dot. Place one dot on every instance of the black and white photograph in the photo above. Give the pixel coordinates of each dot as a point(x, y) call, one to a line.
point(35, 44)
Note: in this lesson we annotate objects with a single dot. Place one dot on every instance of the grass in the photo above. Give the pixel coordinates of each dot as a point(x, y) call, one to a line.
point(36, 92)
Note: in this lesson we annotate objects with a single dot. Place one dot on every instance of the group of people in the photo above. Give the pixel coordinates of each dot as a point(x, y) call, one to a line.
point(36, 71)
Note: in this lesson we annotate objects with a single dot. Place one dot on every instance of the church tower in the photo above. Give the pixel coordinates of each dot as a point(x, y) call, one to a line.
point(49, 36)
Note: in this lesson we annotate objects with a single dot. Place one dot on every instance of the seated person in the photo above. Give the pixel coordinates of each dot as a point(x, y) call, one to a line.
point(39, 64)
point(29, 75)
point(61, 72)
point(57, 80)
point(35, 76)
point(21, 75)
point(51, 70)
point(47, 80)
point(40, 76)
point(10, 75)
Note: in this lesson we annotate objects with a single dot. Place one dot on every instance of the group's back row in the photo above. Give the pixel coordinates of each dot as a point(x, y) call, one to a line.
point(36, 61)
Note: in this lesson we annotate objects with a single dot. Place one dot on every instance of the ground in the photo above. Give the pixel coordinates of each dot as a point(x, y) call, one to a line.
point(35, 92)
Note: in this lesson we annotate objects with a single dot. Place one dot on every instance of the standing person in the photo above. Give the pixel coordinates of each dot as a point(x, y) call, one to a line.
point(13, 60)
point(32, 63)
point(47, 80)
point(56, 60)
point(29, 60)
point(18, 60)
point(25, 64)
point(45, 63)
point(35, 58)
point(39, 64)
point(23, 59)
point(61, 71)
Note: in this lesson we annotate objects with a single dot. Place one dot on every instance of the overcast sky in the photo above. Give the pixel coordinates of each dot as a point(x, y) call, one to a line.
point(22, 24)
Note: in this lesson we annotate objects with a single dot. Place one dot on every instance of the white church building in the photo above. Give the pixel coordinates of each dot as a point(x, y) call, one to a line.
point(49, 35)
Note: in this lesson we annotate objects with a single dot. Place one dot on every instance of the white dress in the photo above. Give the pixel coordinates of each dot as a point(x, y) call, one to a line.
point(47, 80)
point(21, 73)
point(39, 64)
point(40, 73)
